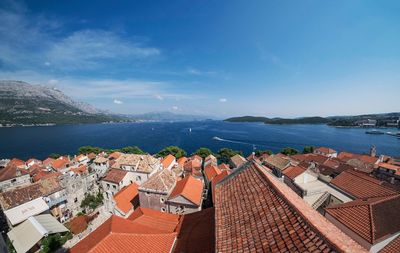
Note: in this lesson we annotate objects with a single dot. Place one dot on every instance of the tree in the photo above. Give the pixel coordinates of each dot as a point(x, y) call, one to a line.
point(54, 155)
point(53, 242)
point(226, 153)
point(261, 152)
point(90, 149)
point(173, 150)
point(132, 150)
point(203, 152)
point(308, 149)
point(92, 201)
point(289, 151)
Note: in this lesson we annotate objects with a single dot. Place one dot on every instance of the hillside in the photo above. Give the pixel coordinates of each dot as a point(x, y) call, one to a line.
point(305, 120)
point(25, 104)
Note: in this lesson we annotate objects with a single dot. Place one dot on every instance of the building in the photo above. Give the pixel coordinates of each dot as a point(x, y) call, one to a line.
point(236, 161)
point(388, 172)
point(12, 176)
point(141, 167)
point(126, 200)
point(187, 196)
point(276, 164)
point(155, 191)
point(61, 164)
point(210, 172)
point(373, 223)
point(358, 185)
point(100, 165)
point(26, 237)
point(269, 217)
point(193, 167)
point(114, 181)
point(210, 160)
point(144, 231)
point(168, 162)
point(328, 152)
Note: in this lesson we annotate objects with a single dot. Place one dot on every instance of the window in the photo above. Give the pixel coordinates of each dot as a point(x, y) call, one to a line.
point(108, 186)
point(75, 200)
point(162, 200)
point(163, 209)
point(147, 193)
point(114, 186)
point(138, 178)
point(13, 180)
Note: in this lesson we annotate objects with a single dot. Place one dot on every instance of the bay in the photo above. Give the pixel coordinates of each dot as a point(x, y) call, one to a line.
point(39, 142)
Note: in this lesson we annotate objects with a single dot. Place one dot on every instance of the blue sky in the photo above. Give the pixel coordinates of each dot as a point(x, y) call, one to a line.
point(219, 58)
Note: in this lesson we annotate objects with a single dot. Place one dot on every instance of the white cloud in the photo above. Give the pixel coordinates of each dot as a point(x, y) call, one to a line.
point(175, 108)
point(47, 63)
point(223, 100)
point(118, 102)
point(197, 72)
point(52, 82)
point(159, 97)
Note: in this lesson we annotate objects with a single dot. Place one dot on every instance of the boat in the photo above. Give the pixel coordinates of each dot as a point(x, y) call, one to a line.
point(374, 132)
point(393, 134)
point(217, 138)
point(190, 130)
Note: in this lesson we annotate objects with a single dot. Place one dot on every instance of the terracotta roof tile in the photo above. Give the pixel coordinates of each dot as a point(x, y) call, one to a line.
point(238, 160)
point(372, 219)
point(125, 196)
point(197, 232)
point(211, 171)
point(115, 176)
point(277, 162)
point(189, 188)
point(360, 185)
point(293, 171)
point(11, 171)
point(326, 150)
point(162, 181)
point(223, 166)
point(253, 214)
point(167, 161)
point(181, 161)
point(163, 222)
point(392, 247)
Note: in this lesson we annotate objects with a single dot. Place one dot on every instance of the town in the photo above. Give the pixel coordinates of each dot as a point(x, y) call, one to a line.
point(317, 200)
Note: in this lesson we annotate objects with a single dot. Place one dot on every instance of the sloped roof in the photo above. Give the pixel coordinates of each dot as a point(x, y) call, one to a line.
point(371, 219)
point(218, 179)
point(167, 161)
point(190, 188)
point(163, 222)
point(60, 163)
point(277, 162)
point(163, 181)
point(211, 157)
point(181, 161)
point(268, 216)
point(11, 171)
point(124, 197)
point(143, 163)
point(119, 235)
point(223, 166)
point(326, 150)
point(238, 160)
point(115, 176)
point(293, 171)
point(360, 185)
point(211, 171)
point(197, 232)
point(21, 195)
point(392, 247)
point(192, 164)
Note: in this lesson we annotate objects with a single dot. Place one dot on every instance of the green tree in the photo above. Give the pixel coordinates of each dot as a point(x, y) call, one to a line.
point(92, 201)
point(261, 152)
point(132, 150)
point(203, 152)
point(10, 246)
point(289, 151)
point(173, 150)
point(89, 149)
point(54, 155)
point(224, 154)
point(53, 242)
point(308, 149)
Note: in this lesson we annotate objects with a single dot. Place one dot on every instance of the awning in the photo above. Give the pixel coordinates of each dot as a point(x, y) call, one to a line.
point(22, 212)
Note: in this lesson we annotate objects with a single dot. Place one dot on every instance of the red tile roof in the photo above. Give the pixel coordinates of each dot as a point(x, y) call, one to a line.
point(392, 247)
point(211, 171)
point(80, 170)
point(11, 171)
point(218, 179)
point(223, 166)
point(125, 196)
point(197, 232)
point(326, 150)
point(78, 224)
point(181, 161)
point(372, 219)
point(345, 156)
point(191, 165)
point(190, 188)
point(48, 161)
point(360, 185)
point(114, 155)
point(167, 161)
point(42, 175)
point(255, 212)
point(293, 171)
point(163, 222)
point(238, 160)
point(16, 162)
point(60, 163)
point(120, 235)
point(115, 176)
point(389, 166)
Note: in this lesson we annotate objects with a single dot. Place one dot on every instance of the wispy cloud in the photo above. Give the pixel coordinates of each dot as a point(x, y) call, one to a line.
point(223, 100)
point(197, 72)
point(118, 102)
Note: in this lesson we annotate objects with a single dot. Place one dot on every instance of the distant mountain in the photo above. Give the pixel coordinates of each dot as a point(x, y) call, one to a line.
point(22, 103)
point(168, 116)
point(382, 120)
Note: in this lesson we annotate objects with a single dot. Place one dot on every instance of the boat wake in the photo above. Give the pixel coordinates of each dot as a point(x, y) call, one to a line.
point(238, 142)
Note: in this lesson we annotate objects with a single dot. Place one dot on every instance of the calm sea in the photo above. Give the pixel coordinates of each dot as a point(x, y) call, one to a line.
point(26, 142)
